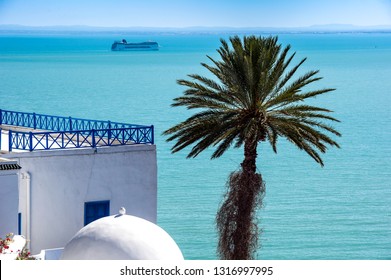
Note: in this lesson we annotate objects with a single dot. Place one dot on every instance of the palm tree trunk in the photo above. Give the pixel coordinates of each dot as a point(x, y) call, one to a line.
point(250, 157)
point(236, 219)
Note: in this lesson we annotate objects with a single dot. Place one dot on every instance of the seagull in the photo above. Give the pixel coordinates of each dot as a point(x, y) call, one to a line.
point(122, 211)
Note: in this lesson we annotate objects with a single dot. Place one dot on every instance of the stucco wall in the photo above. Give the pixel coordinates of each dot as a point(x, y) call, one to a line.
point(8, 202)
point(62, 181)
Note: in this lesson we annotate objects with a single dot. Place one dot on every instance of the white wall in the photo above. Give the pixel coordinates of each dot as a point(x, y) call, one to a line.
point(8, 202)
point(61, 181)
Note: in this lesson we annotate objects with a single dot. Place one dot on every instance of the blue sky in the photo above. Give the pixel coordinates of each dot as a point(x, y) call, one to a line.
point(182, 13)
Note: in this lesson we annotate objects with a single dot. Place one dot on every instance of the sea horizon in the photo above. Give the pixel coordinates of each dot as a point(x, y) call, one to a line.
point(318, 28)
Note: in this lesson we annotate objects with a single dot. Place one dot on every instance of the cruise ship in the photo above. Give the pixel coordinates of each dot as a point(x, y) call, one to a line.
point(123, 45)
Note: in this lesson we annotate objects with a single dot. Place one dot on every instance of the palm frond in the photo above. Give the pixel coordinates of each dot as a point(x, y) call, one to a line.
point(291, 93)
point(254, 95)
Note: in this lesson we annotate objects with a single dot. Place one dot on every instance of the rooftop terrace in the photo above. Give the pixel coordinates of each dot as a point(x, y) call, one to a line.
point(21, 131)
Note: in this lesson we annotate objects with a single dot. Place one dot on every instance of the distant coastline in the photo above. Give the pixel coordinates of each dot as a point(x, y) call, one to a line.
point(330, 28)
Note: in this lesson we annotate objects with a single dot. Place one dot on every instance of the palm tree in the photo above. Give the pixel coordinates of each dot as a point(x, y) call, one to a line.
point(254, 99)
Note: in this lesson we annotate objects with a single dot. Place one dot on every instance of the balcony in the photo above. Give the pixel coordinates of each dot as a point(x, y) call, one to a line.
point(30, 131)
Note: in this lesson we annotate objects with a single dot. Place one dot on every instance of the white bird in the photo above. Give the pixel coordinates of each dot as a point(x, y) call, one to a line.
point(122, 211)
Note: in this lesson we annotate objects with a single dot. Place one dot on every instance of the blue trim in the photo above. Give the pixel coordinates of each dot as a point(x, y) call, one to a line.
point(68, 132)
point(10, 140)
point(94, 210)
point(19, 223)
point(152, 135)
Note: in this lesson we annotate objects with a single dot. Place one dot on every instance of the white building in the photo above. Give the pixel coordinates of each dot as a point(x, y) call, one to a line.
point(58, 174)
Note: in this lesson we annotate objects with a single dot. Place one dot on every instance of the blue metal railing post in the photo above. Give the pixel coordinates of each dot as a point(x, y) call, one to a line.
point(47, 140)
point(1, 117)
point(34, 121)
point(31, 141)
point(93, 138)
point(10, 140)
point(109, 133)
point(70, 123)
point(152, 135)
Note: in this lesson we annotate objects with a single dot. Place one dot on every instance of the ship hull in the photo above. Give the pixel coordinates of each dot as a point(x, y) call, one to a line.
point(144, 46)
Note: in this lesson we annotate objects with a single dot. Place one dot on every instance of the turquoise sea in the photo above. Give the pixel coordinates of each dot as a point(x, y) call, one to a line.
point(340, 211)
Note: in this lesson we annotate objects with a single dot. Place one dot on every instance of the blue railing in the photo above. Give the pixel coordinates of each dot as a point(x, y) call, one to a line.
point(68, 132)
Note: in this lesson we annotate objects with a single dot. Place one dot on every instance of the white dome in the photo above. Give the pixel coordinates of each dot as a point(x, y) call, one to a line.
point(122, 237)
